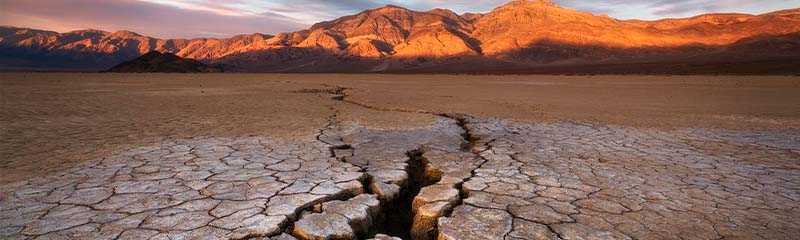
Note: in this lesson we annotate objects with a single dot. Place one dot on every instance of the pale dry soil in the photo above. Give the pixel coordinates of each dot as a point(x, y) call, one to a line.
point(223, 156)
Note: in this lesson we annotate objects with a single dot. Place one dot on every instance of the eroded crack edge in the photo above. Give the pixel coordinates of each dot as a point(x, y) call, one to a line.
point(418, 165)
point(287, 227)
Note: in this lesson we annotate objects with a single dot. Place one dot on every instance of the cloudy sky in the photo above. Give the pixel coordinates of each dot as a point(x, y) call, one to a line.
point(221, 18)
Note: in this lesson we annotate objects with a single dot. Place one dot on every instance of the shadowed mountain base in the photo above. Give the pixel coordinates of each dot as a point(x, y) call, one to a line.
point(155, 61)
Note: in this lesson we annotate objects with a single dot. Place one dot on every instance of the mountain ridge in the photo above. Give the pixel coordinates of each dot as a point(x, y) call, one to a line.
point(521, 33)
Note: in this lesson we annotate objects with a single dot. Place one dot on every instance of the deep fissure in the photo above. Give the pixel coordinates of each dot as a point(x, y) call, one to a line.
point(398, 216)
point(470, 142)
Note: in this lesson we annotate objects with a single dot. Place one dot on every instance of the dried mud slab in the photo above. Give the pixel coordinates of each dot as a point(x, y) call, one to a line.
point(592, 181)
point(209, 188)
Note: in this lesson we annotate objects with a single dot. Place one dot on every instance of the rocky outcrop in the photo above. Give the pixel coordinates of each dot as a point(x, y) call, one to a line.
point(368, 48)
point(434, 43)
point(322, 39)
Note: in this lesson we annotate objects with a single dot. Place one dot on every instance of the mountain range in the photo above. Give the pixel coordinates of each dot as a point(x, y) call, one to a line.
point(520, 36)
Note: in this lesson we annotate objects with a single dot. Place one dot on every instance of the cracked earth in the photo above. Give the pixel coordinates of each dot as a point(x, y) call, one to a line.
point(462, 177)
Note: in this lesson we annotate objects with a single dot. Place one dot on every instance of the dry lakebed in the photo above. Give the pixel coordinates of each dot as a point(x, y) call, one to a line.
point(337, 156)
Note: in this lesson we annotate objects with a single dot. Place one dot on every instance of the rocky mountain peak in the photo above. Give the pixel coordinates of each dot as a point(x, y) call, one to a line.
point(528, 4)
point(444, 12)
point(125, 34)
point(389, 7)
point(525, 13)
point(88, 31)
point(534, 8)
point(153, 54)
point(787, 13)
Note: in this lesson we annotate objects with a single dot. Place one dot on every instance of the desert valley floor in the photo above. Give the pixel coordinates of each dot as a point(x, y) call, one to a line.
point(327, 156)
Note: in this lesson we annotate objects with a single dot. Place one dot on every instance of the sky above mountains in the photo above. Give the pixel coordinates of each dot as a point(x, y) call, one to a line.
point(218, 18)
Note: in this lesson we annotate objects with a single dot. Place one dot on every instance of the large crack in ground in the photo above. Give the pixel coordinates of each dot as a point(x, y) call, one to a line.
point(338, 150)
point(470, 139)
point(462, 177)
point(403, 218)
point(401, 215)
point(399, 218)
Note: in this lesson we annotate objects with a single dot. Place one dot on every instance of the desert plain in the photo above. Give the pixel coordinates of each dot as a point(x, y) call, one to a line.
point(338, 156)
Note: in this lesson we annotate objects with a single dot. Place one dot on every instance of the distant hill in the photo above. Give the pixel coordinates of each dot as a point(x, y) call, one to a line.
point(155, 61)
point(520, 36)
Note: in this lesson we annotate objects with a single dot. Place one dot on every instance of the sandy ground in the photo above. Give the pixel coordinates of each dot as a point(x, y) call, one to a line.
point(647, 101)
point(50, 121)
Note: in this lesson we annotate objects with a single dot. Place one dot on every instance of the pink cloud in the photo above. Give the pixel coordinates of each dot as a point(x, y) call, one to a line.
point(146, 18)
